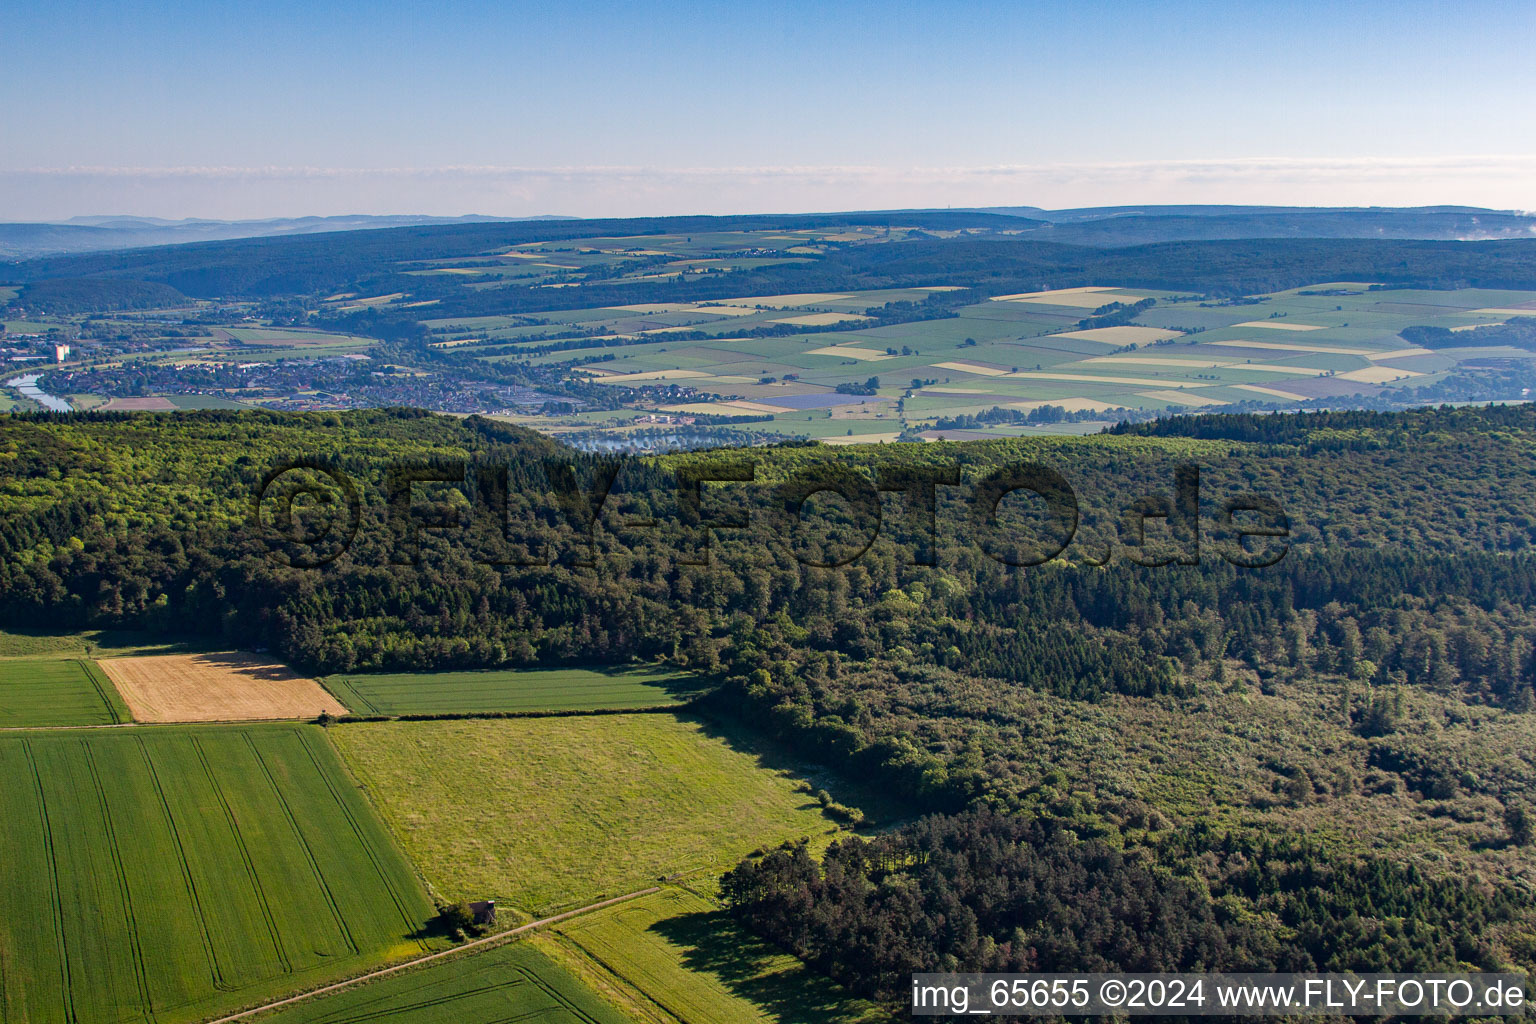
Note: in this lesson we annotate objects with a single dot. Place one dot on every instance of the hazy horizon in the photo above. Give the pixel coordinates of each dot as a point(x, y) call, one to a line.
point(609, 109)
point(1499, 183)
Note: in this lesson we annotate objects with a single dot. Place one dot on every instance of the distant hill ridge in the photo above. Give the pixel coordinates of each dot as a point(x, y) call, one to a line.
point(104, 233)
point(1143, 225)
point(1105, 226)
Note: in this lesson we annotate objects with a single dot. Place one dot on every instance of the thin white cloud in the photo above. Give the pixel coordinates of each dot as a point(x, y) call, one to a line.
point(1502, 181)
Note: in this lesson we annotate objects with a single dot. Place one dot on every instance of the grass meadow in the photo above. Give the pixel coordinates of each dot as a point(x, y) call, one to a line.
point(511, 690)
point(548, 813)
point(673, 957)
point(170, 874)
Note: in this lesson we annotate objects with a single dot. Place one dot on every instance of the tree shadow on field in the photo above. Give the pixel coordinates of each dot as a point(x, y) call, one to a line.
point(714, 945)
point(679, 685)
point(255, 666)
point(881, 810)
point(26, 641)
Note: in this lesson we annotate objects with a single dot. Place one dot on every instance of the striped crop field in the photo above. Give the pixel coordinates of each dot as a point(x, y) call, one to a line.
point(57, 691)
point(511, 690)
point(169, 874)
point(514, 982)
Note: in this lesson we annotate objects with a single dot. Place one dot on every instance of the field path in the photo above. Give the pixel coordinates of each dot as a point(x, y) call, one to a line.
point(498, 937)
point(71, 728)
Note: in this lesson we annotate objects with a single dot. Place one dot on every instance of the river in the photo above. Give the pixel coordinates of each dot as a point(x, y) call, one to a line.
point(27, 385)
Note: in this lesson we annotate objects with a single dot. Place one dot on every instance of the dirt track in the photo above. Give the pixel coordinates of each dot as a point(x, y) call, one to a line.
point(215, 688)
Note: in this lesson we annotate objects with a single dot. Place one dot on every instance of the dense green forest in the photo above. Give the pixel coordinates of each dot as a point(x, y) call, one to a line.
point(264, 267)
point(1323, 760)
point(378, 262)
point(1097, 226)
point(1520, 333)
point(1004, 893)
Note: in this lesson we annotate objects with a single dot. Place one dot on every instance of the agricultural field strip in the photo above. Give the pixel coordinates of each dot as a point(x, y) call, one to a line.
point(215, 687)
point(81, 728)
point(121, 715)
point(493, 692)
point(431, 957)
point(1102, 292)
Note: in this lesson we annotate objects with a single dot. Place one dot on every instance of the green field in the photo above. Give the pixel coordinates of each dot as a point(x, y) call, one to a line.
point(57, 691)
point(511, 690)
point(170, 874)
point(514, 982)
point(546, 813)
point(679, 953)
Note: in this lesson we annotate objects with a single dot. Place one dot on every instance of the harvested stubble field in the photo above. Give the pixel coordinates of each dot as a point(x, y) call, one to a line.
point(150, 404)
point(216, 688)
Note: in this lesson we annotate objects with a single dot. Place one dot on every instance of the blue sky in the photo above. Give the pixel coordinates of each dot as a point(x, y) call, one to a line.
point(255, 109)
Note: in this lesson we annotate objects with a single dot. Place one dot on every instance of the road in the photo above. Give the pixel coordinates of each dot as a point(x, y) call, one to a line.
point(455, 951)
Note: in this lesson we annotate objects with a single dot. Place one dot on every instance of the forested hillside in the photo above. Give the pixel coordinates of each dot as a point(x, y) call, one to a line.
point(1004, 257)
point(1323, 760)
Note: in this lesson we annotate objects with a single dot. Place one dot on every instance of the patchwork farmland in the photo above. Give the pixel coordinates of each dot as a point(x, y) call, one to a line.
point(743, 358)
point(170, 873)
point(495, 691)
point(187, 843)
point(558, 335)
point(175, 873)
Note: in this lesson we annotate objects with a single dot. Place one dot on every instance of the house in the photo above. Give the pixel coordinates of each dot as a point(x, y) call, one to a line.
point(484, 911)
